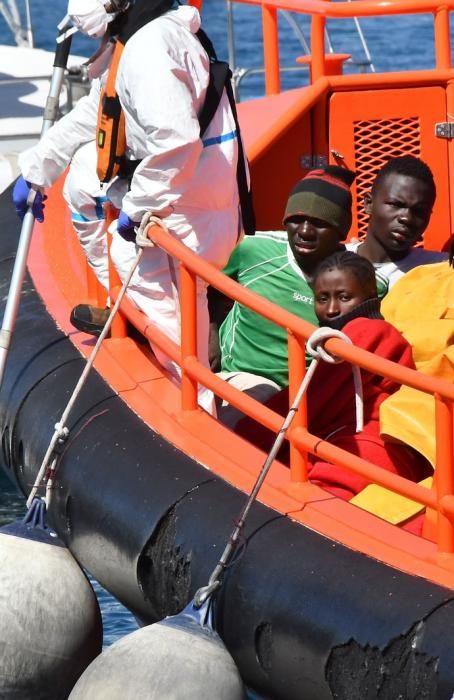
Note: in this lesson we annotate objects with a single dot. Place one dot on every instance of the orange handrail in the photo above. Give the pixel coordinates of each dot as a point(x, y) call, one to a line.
point(301, 441)
point(359, 8)
point(300, 329)
point(191, 267)
point(320, 10)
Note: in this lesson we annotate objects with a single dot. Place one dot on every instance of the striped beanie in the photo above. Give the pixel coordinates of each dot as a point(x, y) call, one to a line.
point(324, 194)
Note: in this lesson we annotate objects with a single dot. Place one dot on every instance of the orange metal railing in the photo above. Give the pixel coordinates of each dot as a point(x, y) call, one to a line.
point(301, 441)
point(320, 10)
point(315, 100)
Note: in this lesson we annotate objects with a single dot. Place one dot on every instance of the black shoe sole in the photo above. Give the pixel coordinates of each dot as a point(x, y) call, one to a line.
point(85, 326)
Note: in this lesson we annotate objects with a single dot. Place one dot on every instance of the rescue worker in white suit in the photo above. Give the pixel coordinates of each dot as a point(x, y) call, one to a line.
point(188, 182)
point(71, 141)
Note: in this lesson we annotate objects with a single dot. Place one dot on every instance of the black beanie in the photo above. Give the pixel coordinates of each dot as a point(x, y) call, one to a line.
point(324, 194)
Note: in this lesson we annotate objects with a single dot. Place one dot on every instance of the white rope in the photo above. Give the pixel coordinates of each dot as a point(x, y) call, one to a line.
point(50, 482)
point(316, 347)
point(148, 220)
point(61, 432)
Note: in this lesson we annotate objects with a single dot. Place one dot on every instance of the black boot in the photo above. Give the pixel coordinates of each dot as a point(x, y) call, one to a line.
point(89, 319)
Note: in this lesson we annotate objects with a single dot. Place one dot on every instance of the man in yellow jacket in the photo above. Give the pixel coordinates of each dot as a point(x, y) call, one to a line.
point(421, 307)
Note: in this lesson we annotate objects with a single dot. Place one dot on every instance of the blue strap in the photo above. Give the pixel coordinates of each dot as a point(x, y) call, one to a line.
point(220, 139)
point(99, 201)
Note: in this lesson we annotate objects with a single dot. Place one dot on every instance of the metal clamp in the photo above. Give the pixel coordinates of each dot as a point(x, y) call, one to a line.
point(313, 160)
point(444, 130)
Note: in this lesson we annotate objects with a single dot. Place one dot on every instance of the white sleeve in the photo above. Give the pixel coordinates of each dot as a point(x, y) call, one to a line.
point(43, 164)
point(161, 117)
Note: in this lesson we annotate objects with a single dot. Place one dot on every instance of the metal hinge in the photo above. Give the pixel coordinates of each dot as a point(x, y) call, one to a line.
point(444, 130)
point(316, 160)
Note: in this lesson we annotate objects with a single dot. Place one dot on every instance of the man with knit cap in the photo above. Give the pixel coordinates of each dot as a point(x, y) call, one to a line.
point(250, 351)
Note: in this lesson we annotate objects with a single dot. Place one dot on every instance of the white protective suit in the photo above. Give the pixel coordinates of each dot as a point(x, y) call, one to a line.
point(190, 183)
point(71, 141)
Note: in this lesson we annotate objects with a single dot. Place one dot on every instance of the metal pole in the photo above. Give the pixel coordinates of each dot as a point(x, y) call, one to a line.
point(28, 26)
point(20, 263)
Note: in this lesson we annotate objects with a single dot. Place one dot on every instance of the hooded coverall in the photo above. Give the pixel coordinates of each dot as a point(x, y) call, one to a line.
point(187, 181)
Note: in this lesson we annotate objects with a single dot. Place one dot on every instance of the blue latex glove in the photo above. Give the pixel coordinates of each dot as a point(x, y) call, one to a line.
point(20, 194)
point(125, 227)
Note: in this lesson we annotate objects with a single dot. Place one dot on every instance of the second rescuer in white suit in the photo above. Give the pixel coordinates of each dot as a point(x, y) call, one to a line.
point(71, 139)
point(190, 183)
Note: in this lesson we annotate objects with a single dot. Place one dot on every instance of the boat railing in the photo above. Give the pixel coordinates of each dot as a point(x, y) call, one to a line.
point(302, 442)
point(20, 29)
point(357, 144)
point(321, 10)
point(240, 74)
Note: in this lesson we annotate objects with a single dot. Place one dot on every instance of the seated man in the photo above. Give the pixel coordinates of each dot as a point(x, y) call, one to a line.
point(279, 266)
point(346, 298)
point(399, 206)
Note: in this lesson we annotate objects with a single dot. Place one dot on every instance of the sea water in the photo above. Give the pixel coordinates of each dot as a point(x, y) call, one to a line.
point(394, 43)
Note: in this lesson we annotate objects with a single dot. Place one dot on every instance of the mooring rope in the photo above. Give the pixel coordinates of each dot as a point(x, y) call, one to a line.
point(61, 432)
point(315, 346)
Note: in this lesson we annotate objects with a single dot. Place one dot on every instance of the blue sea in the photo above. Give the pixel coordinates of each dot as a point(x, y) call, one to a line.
point(394, 43)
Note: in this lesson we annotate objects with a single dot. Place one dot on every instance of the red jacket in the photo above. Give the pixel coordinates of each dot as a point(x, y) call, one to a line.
point(331, 412)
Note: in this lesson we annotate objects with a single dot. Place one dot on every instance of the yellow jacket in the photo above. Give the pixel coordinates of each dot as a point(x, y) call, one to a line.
point(421, 306)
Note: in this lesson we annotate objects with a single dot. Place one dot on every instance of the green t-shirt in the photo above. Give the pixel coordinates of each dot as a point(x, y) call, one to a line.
point(265, 264)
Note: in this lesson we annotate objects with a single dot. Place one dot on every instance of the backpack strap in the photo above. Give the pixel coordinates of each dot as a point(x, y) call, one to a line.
point(220, 78)
point(244, 191)
point(219, 74)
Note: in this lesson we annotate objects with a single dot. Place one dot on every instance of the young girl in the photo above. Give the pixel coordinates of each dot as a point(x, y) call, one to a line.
point(345, 297)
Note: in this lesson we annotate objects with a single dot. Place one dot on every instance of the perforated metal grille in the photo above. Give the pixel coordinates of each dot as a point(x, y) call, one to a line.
point(376, 141)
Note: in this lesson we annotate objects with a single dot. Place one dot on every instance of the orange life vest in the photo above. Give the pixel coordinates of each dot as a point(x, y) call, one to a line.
point(111, 134)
